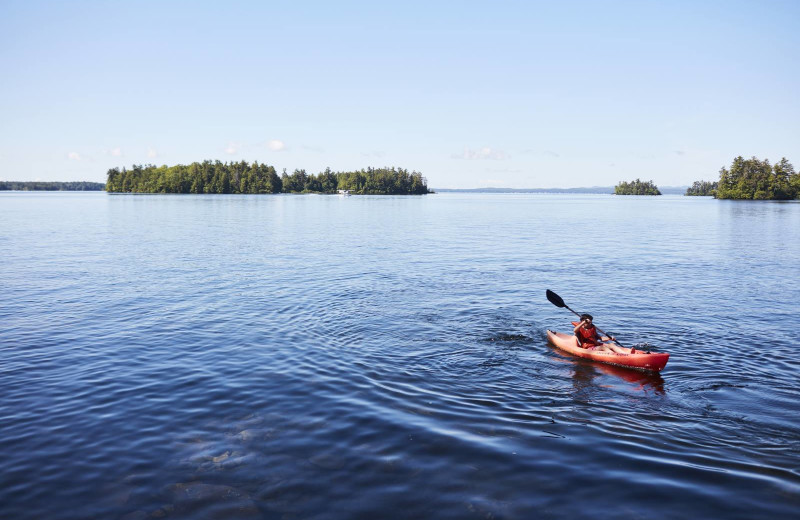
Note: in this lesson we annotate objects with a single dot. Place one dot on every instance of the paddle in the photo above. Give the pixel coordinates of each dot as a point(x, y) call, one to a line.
point(559, 302)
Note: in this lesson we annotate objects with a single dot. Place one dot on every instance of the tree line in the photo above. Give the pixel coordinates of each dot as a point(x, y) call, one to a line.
point(758, 180)
point(242, 177)
point(747, 179)
point(636, 187)
point(752, 179)
point(51, 186)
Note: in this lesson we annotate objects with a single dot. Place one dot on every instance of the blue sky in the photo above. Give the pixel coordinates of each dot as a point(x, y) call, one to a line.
point(473, 94)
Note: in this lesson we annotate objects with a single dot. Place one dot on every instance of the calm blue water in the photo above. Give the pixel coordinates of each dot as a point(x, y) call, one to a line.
point(385, 357)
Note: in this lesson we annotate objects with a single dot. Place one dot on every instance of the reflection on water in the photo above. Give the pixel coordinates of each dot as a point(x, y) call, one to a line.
point(587, 375)
point(640, 381)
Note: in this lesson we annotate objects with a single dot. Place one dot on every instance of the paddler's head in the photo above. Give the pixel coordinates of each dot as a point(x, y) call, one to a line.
point(587, 319)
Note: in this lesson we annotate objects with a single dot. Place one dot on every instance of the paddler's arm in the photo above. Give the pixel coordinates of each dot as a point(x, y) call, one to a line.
point(579, 325)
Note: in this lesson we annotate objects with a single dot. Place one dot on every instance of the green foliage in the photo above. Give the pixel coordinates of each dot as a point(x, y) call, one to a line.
point(636, 187)
point(205, 177)
point(51, 186)
point(794, 184)
point(241, 177)
point(752, 179)
point(702, 188)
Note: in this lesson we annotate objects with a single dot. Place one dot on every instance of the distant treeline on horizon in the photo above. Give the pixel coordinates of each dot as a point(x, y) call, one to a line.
point(593, 190)
point(636, 187)
point(241, 177)
point(51, 186)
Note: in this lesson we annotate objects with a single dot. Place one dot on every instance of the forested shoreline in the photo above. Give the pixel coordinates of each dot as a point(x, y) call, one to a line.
point(753, 179)
point(51, 186)
point(243, 178)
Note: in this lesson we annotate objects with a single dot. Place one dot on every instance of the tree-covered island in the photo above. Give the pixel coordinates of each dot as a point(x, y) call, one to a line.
point(752, 179)
point(245, 178)
point(636, 187)
point(702, 189)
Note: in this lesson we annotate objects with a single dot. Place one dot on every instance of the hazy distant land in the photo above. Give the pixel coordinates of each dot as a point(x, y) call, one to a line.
point(51, 186)
point(607, 190)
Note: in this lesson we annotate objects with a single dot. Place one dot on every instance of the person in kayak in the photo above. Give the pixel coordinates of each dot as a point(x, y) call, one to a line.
point(588, 337)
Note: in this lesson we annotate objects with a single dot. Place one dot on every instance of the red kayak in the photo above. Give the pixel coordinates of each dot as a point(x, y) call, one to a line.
point(653, 362)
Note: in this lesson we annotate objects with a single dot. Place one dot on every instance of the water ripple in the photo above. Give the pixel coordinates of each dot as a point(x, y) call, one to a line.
point(318, 357)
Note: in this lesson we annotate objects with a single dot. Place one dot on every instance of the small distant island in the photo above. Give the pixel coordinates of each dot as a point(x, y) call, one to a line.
point(702, 189)
point(636, 187)
point(244, 178)
point(51, 186)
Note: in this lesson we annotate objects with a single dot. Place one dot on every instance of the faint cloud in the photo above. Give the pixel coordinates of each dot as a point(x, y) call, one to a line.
point(276, 145)
point(315, 149)
point(376, 155)
point(481, 153)
point(151, 153)
point(232, 148)
point(679, 152)
point(504, 170)
point(531, 151)
point(74, 156)
point(116, 152)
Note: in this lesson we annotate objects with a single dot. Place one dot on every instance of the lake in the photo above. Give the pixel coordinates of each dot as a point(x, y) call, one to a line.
point(326, 357)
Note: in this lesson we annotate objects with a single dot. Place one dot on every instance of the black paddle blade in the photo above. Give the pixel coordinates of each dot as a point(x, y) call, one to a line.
point(555, 299)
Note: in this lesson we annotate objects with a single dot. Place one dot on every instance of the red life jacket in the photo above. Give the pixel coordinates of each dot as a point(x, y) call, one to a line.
point(587, 336)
